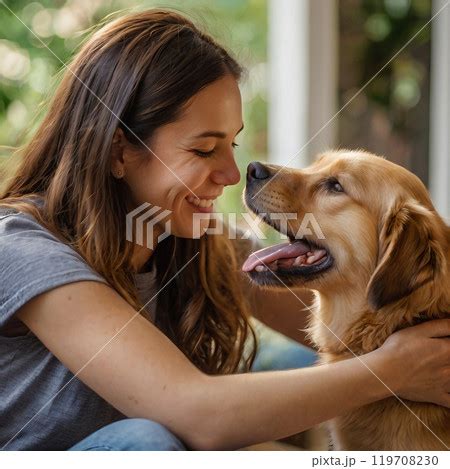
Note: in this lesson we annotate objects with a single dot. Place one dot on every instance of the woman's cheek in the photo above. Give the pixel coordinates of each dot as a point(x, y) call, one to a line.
point(181, 220)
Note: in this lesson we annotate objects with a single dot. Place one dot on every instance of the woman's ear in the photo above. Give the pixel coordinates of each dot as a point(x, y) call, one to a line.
point(410, 254)
point(117, 161)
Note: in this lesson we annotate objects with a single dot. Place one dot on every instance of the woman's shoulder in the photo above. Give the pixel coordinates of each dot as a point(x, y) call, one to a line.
point(20, 229)
point(32, 261)
point(12, 218)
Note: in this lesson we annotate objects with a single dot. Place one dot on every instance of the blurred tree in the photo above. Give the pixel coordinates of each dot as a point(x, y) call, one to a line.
point(38, 37)
point(391, 116)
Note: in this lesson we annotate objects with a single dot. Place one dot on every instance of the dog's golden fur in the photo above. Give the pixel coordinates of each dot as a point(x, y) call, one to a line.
point(391, 254)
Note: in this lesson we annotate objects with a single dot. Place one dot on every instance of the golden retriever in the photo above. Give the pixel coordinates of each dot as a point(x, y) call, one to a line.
point(376, 254)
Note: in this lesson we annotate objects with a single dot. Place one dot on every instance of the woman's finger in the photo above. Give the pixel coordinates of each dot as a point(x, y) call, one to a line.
point(445, 400)
point(435, 328)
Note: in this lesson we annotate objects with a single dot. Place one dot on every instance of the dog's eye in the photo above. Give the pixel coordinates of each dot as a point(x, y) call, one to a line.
point(333, 185)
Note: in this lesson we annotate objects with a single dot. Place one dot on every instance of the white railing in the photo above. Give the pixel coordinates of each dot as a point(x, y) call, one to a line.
point(440, 109)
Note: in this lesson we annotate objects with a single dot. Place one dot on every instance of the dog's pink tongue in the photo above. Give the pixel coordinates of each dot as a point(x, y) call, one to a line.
point(273, 253)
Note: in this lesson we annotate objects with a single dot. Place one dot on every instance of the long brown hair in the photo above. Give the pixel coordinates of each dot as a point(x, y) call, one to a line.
point(135, 73)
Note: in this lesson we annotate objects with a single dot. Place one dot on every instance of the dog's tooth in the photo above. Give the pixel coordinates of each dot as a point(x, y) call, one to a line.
point(260, 268)
point(317, 255)
point(299, 261)
point(285, 263)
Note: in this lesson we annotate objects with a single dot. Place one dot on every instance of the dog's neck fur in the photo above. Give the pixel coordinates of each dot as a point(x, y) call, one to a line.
point(348, 328)
point(344, 324)
point(332, 318)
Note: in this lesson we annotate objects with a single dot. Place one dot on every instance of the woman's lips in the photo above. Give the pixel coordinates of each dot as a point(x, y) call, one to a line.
point(201, 209)
point(198, 208)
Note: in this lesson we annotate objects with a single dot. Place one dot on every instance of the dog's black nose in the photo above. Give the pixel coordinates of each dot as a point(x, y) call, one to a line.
point(256, 170)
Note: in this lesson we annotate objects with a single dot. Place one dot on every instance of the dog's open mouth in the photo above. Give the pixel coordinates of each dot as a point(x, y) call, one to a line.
point(296, 260)
point(297, 257)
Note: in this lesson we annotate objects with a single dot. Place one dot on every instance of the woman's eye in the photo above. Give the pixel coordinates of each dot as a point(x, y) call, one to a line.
point(204, 154)
point(207, 154)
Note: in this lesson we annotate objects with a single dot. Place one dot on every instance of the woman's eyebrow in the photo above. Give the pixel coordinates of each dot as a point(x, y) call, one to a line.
point(215, 133)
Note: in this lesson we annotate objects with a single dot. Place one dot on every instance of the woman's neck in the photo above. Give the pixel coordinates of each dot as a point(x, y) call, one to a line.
point(142, 254)
point(140, 259)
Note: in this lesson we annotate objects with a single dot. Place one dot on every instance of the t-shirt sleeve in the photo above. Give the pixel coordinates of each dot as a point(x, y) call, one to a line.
point(33, 261)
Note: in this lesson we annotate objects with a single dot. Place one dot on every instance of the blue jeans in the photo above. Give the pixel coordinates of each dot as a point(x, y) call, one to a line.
point(276, 352)
point(131, 435)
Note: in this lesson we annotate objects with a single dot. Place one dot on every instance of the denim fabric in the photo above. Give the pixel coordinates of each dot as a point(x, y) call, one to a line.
point(131, 435)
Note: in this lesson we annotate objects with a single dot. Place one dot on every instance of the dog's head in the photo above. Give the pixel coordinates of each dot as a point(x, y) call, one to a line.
point(361, 222)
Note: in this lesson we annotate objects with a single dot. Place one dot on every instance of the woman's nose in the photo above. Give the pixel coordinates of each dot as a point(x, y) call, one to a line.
point(229, 175)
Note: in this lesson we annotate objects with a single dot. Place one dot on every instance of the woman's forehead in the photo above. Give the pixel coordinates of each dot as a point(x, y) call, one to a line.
point(213, 111)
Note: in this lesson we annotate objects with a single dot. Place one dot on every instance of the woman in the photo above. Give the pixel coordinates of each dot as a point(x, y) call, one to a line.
point(149, 112)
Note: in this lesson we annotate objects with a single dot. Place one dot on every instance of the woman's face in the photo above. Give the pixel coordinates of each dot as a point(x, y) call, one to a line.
point(191, 160)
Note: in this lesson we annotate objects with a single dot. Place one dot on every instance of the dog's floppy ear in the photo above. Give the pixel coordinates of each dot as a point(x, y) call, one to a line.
point(410, 254)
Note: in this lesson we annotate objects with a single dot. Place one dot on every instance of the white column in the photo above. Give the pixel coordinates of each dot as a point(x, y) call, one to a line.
point(302, 85)
point(440, 109)
point(288, 79)
point(323, 72)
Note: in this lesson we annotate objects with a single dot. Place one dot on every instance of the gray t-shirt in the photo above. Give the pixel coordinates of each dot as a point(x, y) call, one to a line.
point(34, 413)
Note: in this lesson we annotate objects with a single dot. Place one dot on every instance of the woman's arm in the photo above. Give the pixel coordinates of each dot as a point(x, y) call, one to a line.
point(272, 405)
point(131, 364)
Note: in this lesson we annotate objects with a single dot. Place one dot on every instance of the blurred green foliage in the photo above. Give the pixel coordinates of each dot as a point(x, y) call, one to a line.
point(37, 38)
point(386, 47)
point(389, 26)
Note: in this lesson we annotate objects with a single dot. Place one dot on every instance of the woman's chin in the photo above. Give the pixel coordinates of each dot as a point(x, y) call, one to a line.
point(191, 232)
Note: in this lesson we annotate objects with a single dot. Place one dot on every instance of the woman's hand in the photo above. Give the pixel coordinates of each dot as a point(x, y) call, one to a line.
point(420, 357)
